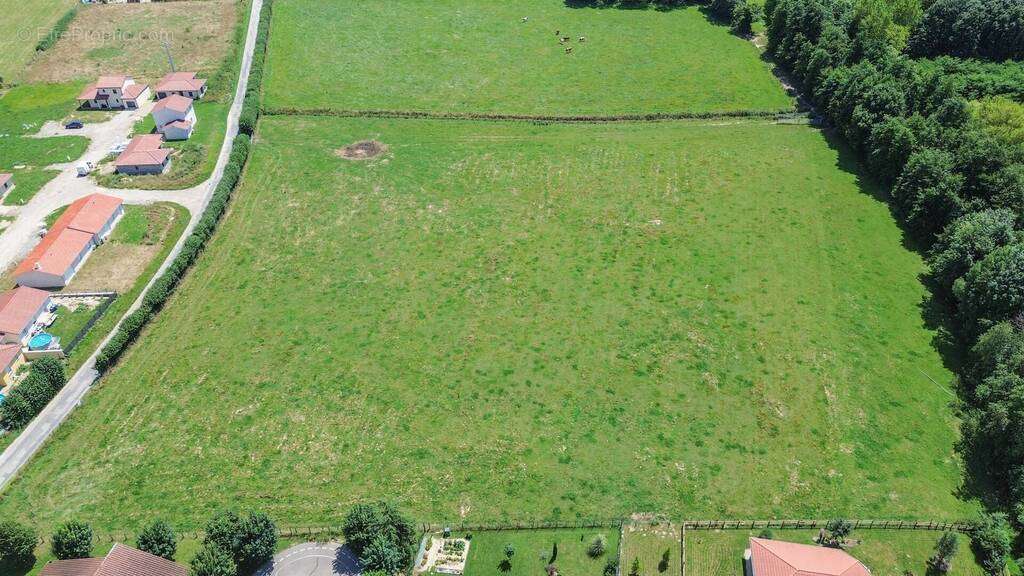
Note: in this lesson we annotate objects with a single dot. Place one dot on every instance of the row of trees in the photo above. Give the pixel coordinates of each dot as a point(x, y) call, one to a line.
point(46, 377)
point(992, 29)
point(956, 182)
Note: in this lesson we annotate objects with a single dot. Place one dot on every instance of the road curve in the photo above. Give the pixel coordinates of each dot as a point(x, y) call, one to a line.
point(32, 438)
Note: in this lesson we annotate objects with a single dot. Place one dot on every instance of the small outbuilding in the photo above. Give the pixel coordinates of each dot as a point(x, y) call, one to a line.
point(19, 310)
point(10, 360)
point(174, 117)
point(144, 155)
point(113, 93)
point(181, 83)
point(777, 558)
point(120, 561)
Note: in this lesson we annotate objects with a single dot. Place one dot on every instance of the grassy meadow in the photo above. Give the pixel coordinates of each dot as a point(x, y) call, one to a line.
point(480, 57)
point(884, 552)
point(506, 320)
point(22, 29)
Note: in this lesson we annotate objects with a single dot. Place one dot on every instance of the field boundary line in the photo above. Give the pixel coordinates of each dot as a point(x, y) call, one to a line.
point(781, 114)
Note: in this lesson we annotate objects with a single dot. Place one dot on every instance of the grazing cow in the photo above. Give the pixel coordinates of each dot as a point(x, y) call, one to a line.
point(568, 49)
point(525, 18)
point(561, 40)
point(583, 38)
point(565, 39)
point(558, 32)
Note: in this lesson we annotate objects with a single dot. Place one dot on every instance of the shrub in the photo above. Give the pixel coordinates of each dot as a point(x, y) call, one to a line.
point(510, 551)
point(365, 522)
point(46, 378)
point(992, 538)
point(597, 546)
point(212, 560)
point(611, 567)
point(766, 534)
point(743, 17)
point(945, 549)
point(993, 289)
point(72, 539)
point(158, 539)
point(59, 28)
point(17, 546)
point(838, 530)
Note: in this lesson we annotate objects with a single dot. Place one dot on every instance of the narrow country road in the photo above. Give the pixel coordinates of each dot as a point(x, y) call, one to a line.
point(32, 438)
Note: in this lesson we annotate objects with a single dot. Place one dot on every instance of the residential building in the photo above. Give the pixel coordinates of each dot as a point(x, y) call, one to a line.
point(83, 226)
point(181, 83)
point(120, 561)
point(6, 183)
point(11, 360)
point(777, 558)
point(144, 155)
point(174, 117)
point(19, 310)
point(114, 93)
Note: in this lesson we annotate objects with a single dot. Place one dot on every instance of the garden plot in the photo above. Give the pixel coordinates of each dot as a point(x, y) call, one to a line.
point(652, 548)
point(445, 555)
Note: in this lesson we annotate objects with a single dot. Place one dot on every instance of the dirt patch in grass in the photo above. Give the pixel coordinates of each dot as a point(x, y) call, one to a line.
point(363, 150)
point(128, 39)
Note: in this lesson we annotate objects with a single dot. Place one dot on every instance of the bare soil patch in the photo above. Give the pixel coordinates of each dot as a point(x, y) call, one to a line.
point(128, 39)
point(362, 150)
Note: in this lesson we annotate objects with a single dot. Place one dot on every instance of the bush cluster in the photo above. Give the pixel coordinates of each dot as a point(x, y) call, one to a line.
point(46, 377)
point(17, 547)
point(251, 107)
point(59, 28)
point(235, 544)
point(380, 536)
point(956, 184)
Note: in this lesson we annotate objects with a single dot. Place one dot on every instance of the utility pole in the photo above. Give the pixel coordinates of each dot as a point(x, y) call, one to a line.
point(170, 59)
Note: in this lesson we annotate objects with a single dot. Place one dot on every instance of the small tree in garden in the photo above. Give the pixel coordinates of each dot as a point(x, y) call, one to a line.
point(510, 551)
point(611, 567)
point(838, 529)
point(212, 560)
point(17, 546)
point(635, 568)
point(945, 549)
point(597, 546)
point(158, 539)
point(73, 539)
point(383, 526)
point(665, 556)
point(766, 534)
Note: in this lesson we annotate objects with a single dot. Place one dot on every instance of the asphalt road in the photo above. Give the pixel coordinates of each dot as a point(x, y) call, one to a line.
point(313, 559)
point(39, 430)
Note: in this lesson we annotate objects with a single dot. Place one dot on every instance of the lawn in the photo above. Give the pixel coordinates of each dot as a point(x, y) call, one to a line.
point(22, 29)
point(650, 544)
point(535, 549)
point(23, 111)
point(506, 320)
point(479, 57)
point(884, 552)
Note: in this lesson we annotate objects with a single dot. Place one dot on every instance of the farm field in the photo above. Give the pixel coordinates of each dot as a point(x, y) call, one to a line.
point(884, 552)
point(505, 320)
point(22, 29)
point(479, 57)
point(128, 39)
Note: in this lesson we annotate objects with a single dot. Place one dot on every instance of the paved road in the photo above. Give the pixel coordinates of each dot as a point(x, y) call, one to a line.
point(313, 559)
point(38, 431)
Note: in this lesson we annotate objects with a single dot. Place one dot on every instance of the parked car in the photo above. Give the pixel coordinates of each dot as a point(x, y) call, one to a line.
point(118, 148)
point(74, 125)
point(84, 168)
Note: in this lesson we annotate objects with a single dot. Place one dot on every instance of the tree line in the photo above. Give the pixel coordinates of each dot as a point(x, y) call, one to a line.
point(955, 177)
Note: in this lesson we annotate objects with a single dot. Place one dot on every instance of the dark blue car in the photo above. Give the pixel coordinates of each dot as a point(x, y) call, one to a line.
point(74, 125)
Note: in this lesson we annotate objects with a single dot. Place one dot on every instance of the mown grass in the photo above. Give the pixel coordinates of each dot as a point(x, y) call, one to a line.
point(535, 549)
point(479, 57)
point(24, 25)
point(884, 552)
point(23, 111)
point(649, 543)
point(503, 320)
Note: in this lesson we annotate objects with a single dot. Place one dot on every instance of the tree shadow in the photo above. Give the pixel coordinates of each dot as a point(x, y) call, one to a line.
point(505, 565)
point(346, 562)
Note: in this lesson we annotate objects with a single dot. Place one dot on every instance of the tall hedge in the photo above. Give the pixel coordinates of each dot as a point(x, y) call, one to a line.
point(46, 377)
point(251, 108)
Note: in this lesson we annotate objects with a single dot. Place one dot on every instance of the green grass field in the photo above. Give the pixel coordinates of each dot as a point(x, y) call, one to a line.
point(884, 552)
point(535, 549)
point(22, 29)
point(649, 544)
point(23, 111)
point(504, 320)
point(479, 57)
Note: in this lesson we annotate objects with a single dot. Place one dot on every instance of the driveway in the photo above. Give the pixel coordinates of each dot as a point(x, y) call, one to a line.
point(32, 438)
point(313, 559)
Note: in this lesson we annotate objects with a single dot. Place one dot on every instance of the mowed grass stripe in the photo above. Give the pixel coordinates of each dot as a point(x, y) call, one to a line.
point(479, 57)
point(518, 321)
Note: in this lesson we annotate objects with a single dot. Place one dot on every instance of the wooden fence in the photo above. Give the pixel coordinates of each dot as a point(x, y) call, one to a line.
point(857, 524)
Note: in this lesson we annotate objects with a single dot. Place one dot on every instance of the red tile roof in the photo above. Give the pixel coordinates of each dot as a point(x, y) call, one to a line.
point(56, 252)
point(120, 561)
point(174, 103)
point(8, 354)
point(18, 308)
point(143, 150)
point(5, 177)
point(89, 214)
point(180, 82)
point(183, 124)
point(111, 81)
point(777, 558)
point(134, 91)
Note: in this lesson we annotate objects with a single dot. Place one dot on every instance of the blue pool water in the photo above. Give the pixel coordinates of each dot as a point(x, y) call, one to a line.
point(40, 341)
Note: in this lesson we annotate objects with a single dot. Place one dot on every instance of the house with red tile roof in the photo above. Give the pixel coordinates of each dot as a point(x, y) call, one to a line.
point(19, 310)
point(777, 558)
point(120, 561)
point(181, 83)
point(10, 360)
point(83, 226)
point(113, 93)
point(6, 183)
point(174, 117)
point(144, 155)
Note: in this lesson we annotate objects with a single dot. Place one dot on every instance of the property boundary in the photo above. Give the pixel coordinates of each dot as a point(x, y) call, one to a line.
point(778, 115)
point(97, 314)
